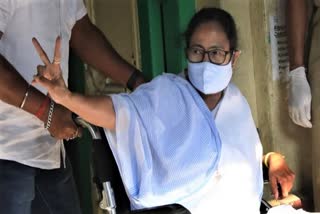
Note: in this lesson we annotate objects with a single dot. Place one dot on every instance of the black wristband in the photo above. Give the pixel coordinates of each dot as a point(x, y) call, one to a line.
point(133, 79)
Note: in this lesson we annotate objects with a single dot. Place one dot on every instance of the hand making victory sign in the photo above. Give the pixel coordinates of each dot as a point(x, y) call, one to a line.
point(97, 110)
point(49, 75)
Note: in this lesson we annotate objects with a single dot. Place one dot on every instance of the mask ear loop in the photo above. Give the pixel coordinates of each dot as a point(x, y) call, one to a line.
point(232, 54)
point(232, 60)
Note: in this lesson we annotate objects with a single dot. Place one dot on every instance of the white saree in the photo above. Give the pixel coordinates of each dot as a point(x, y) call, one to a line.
point(170, 149)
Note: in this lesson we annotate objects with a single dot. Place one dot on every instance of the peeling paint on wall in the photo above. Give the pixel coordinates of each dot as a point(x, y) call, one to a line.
point(278, 42)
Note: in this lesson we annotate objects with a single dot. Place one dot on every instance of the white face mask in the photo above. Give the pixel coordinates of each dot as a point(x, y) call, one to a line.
point(209, 78)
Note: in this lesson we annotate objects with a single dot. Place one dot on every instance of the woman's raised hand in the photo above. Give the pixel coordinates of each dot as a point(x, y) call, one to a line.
point(49, 75)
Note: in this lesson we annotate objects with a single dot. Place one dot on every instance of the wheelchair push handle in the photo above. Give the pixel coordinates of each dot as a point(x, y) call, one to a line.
point(94, 131)
point(99, 160)
point(100, 150)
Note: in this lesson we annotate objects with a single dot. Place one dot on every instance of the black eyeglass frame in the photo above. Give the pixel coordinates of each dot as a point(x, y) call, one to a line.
point(207, 52)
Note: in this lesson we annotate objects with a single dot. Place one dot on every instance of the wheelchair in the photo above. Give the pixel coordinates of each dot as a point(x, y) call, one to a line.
point(109, 181)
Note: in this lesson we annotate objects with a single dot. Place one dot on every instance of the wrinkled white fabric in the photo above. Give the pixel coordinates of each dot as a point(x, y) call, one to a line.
point(184, 168)
point(237, 184)
point(299, 102)
point(166, 144)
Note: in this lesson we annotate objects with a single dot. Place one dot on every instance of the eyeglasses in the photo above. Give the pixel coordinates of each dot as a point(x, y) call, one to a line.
point(216, 55)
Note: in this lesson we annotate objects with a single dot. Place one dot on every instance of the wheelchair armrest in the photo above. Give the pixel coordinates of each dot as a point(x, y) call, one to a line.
point(178, 209)
point(264, 207)
point(167, 209)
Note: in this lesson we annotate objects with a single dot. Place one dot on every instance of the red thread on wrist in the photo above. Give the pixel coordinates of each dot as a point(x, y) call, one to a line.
point(44, 105)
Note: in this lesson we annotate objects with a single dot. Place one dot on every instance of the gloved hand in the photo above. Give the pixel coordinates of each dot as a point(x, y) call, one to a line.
point(299, 102)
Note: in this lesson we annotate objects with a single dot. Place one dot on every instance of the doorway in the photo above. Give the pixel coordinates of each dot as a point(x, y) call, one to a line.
point(162, 24)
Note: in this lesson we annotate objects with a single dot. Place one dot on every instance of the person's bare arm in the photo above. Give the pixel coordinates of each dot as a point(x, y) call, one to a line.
point(92, 46)
point(299, 92)
point(297, 28)
point(13, 87)
point(12, 91)
point(97, 110)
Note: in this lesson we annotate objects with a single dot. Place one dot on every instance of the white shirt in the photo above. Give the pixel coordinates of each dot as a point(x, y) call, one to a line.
point(22, 137)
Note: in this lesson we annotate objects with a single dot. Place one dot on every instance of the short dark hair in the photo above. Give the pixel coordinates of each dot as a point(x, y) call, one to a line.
point(222, 17)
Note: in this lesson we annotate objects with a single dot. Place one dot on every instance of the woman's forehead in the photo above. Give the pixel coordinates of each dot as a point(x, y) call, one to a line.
point(209, 35)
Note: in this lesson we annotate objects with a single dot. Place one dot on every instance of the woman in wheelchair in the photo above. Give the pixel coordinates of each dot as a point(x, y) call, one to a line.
point(187, 139)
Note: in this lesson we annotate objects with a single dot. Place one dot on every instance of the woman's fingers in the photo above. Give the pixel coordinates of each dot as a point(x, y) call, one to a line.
point(274, 186)
point(285, 186)
point(48, 72)
point(43, 55)
point(57, 52)
point(42, 81)
point(40, 51)
point(286, 183)
point(41, 70)
point(285, 178)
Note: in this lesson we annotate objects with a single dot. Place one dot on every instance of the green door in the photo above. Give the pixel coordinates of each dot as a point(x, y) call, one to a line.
point(162, 24)
point(79, 150)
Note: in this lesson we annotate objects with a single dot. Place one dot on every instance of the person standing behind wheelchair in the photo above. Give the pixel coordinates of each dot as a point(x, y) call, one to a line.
point(200, 148)
point(304, 55)
point(34, 172)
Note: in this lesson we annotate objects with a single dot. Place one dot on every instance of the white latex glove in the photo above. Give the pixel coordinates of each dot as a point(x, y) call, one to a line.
point(299, 98)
